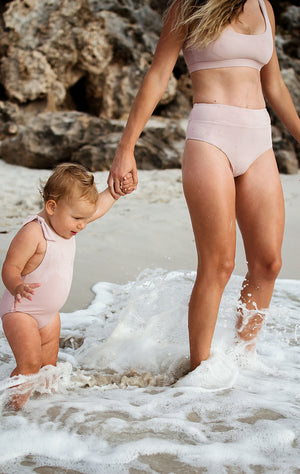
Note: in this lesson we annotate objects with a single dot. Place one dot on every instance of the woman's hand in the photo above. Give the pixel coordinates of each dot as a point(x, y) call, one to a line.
point(122, 165)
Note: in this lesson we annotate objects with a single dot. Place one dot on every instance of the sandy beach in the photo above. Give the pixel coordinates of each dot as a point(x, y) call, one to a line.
point(148, 229)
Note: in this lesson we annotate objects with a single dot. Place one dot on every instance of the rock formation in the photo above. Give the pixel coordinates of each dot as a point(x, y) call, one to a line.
point(70, 70)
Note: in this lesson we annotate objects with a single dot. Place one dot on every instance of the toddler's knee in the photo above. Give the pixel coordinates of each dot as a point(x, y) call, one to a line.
point(30, 366)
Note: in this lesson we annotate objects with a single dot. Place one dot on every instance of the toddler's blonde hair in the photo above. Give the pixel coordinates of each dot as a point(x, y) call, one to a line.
point(68, 180)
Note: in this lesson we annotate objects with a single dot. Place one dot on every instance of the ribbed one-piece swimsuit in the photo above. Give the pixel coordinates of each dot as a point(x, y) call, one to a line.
point(55, 274)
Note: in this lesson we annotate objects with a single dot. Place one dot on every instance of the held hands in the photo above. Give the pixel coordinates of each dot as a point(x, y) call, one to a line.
point(122, 178)
point(126, 184)
point(24, 290)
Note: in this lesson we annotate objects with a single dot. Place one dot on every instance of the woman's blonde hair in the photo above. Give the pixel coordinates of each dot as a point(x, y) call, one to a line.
point(67, 181)
point(204, 20)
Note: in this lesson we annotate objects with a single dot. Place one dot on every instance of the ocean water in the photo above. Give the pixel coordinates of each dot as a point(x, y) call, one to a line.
point(120, 401)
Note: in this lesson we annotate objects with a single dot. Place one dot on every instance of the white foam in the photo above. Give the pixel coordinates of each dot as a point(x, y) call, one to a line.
point(129, 403)
point(218, 372)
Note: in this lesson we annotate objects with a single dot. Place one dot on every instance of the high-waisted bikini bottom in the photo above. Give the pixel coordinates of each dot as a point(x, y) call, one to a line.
point(242, 134)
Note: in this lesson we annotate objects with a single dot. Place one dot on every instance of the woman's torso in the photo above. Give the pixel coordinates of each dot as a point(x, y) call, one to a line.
point(228, 71)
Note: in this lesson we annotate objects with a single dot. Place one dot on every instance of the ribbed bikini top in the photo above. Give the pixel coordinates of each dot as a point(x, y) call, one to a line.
point(233, 49)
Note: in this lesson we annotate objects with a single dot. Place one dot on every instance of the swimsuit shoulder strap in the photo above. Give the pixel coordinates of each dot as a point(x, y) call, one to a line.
point(49, 234)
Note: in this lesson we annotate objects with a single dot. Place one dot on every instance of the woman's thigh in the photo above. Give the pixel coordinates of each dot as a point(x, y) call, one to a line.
point(260, 209)
point(209, 190)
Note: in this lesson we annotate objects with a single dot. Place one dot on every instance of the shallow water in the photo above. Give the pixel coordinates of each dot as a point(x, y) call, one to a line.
point(114, 403)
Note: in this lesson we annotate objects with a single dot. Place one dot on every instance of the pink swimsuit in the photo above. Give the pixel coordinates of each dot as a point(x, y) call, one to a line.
point(55, 275)
point(242, 134)
point(232, 49)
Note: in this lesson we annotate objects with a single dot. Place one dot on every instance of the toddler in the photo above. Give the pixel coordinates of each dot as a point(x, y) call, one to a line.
point(38, 267)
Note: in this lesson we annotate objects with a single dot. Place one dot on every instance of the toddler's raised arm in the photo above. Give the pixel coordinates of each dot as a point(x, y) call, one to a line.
point(106, 200)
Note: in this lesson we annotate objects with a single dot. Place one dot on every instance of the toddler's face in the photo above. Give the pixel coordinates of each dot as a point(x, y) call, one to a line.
point(69, 218)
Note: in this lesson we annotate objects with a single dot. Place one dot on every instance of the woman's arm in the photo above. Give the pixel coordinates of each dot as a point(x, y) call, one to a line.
point(148, 96)
point(275, 90)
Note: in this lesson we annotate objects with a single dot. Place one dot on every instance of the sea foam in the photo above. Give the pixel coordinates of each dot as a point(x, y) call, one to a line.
point(122, 400)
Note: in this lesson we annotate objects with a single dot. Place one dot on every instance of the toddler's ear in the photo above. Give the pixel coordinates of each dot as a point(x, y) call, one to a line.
point(50, 206)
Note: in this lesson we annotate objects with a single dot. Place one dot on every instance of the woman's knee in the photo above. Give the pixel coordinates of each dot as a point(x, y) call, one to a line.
point(217, 270)
point(272, 268)
point(226, 268)
point(266, 268)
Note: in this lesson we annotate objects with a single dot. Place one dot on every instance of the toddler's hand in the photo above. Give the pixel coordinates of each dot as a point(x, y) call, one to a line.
point(24, 290)
point(127, 184)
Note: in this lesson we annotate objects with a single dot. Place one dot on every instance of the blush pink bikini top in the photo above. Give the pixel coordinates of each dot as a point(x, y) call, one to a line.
point(233, 49)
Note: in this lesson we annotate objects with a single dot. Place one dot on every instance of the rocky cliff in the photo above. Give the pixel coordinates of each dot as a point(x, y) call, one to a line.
point(70, 70)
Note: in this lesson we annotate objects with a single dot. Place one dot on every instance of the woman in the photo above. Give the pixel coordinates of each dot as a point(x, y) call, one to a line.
point(229, 169)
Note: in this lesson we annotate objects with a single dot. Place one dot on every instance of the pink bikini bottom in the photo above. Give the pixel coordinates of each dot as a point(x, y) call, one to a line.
point(242, 134)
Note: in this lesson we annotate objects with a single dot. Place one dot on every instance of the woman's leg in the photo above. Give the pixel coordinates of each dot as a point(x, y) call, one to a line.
point(209, 190)
point(260, 215)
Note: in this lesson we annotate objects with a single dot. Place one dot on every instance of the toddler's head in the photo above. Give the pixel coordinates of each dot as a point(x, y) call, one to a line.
point(70, 181)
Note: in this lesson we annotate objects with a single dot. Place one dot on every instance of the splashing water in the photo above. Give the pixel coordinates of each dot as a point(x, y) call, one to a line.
point(121, 398)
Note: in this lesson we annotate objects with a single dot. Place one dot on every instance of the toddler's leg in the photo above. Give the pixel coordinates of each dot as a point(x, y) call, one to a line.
point(23, 335)
point(50, 341)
